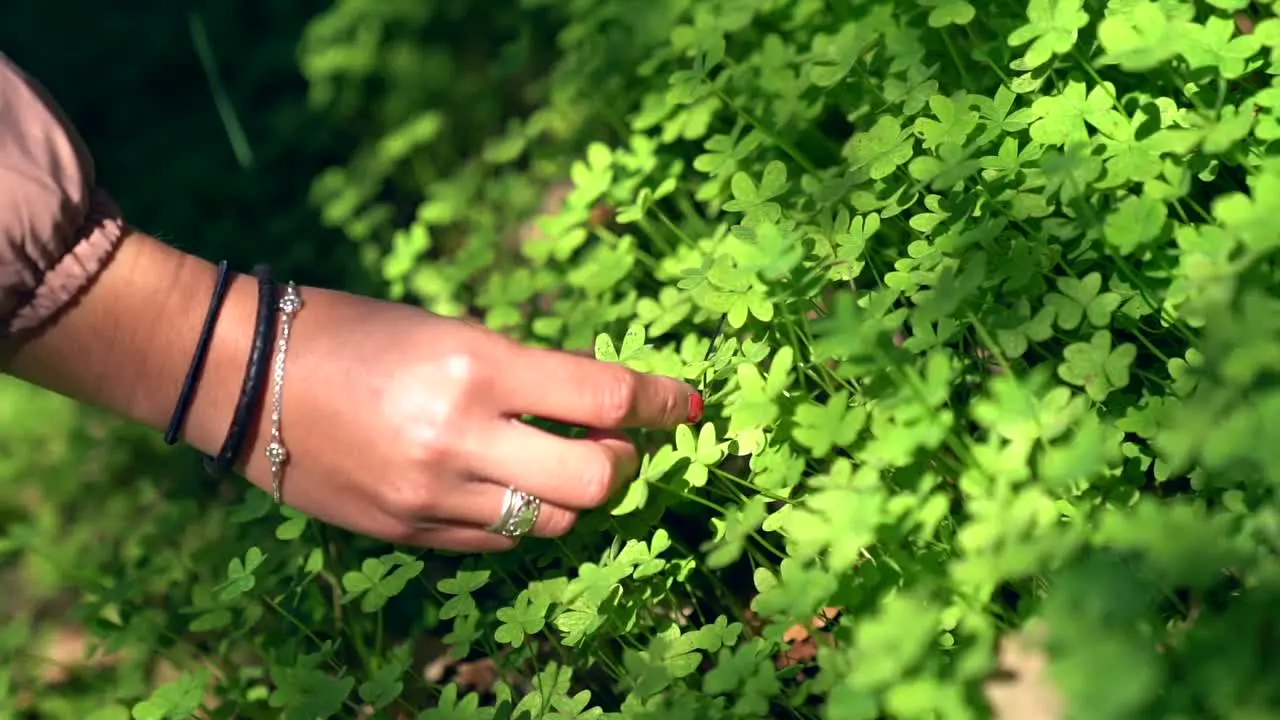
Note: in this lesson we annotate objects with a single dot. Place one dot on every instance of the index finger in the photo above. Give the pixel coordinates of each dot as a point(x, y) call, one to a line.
point(579, 390)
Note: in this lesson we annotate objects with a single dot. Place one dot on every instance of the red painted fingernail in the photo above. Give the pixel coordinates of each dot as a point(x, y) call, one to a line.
point(695, 407)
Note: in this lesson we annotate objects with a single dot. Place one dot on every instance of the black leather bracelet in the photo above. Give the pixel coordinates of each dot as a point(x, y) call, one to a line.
point(249, 403)
point(188, 391)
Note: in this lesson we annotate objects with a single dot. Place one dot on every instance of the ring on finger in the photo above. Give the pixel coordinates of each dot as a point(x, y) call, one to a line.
point(520, 512)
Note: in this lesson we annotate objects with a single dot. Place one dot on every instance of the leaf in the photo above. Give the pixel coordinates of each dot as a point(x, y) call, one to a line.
point(835, 56)
point(708, 450)
point(632, 342)
point(891, 641)
point(210, 621)
point(1140, 37)
point(604, 349)
point(384, 686)
point(1211, 45)
point(464, 583)
point(1064, 119)
point(834, 424)
point(757, 201)
point(1052, 27)
point(240, 575)
point(450, 707)
point(1136, 222)
point(593, 177)
point(880, 151)
point(176, 700)
point(1079, 299)
point(293, 527)
point(305, 693)
point(949, 12)
point(1097, 367)
point(526, 617)
point(380, 579)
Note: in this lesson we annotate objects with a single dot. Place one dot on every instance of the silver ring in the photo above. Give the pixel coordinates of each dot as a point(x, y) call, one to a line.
point(519, 514)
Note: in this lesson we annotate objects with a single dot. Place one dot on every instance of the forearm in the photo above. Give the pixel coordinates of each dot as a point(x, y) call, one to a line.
point(127, 342)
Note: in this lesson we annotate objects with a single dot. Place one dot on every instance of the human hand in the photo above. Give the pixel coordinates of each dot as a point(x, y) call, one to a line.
point(399, 424)
point(405, 426)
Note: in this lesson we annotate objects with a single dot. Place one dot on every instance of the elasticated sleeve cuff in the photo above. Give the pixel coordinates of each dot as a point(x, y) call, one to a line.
point(57, 228)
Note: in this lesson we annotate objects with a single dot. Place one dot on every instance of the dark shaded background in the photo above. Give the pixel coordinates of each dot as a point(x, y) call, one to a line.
point(129, 76)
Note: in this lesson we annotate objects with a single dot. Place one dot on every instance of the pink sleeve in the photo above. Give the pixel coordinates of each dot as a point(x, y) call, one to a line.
point(57, 228)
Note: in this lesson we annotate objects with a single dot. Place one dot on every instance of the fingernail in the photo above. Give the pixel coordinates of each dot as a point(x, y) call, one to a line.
point(695, 407)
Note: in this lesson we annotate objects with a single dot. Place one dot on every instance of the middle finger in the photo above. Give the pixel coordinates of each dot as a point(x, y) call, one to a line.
point(578, 474)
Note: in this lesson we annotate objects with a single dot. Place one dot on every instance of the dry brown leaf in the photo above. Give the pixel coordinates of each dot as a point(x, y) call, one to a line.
point(67, 653)
point(479, 675)
point(433, 657)
point(1244, 23)
point(1026, 692)
point(803, 644)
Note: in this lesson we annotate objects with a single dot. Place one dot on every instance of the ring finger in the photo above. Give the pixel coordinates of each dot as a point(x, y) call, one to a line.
point(574, 473)
point(456, 538)
point(481, 503)
point(567, 475)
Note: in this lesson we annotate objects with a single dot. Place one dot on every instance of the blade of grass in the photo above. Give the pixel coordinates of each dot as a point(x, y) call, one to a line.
point(226, 111)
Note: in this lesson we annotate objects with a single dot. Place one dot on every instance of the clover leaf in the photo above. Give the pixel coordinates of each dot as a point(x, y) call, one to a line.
point(757, 201)
point(240, 575)
point(949, 12)
point(175, 700)
point(1136, 222)
point(882, 149)
point(704, 452)
point(385, 685)
point(1140, 37)
point(380, 579)
point(833, 424)
point(1096, 366)
point(1212, 45)
point(1079, 299)
point(527, 617)
point(1052, 27)
point(306, 692)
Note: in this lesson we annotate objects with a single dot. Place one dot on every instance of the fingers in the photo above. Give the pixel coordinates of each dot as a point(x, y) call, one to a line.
point(578, 474)
point(566, 475)
point(479, 504)
point(582, 391)
point(456, 538)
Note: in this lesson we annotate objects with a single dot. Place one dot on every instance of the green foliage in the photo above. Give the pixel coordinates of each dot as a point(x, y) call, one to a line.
point(982, 298)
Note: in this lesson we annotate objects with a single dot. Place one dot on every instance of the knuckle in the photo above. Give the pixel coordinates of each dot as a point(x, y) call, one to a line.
point(409, 499)
point(430, 402)
point(617, 395)
point(599, 472)
point(434, 441)
point(462, 370)
point(434, 447)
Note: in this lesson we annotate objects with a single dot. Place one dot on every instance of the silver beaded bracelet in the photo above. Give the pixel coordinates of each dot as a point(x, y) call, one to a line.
point(289, 305)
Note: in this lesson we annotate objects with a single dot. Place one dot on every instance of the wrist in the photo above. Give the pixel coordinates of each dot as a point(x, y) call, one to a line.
point(127, 344)
point(221, 382)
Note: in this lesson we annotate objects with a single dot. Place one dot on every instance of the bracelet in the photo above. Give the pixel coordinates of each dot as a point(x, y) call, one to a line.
point(185, 396)
point(276, 452)
point(250, 400)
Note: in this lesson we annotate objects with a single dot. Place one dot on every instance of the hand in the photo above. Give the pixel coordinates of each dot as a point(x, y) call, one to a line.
point(405, 426)
point(400, 424)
